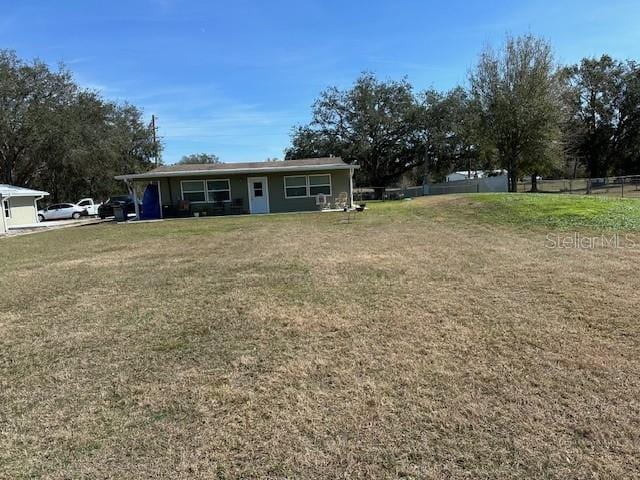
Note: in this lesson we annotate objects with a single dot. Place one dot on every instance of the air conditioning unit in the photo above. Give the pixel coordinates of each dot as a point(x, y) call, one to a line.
point(321, 199)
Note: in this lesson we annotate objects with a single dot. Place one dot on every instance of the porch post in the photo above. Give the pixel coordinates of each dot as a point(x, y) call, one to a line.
point(351, 170)
point(132, 189)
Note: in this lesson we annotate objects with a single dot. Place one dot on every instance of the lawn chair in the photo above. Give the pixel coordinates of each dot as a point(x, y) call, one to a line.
point(342, 201)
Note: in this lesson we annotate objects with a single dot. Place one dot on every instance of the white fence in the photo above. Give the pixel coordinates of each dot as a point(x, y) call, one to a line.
point(475, 185)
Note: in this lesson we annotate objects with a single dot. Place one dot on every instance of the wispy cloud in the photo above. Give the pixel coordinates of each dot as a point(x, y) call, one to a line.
point(78, 60)
point(203, 117)
point(108, 91)
point(239, 122)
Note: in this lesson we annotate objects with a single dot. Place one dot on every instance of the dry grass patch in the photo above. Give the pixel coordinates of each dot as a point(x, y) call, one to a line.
point(412, 343)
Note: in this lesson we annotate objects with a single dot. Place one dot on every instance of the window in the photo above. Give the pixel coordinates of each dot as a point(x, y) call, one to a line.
point(319, 184)
point(295, 187)
point(302, 186)
point(7, 210)
point(218, 191)
point(201, 191)
point(83, 203)
point(193, 191)
point(257, 189)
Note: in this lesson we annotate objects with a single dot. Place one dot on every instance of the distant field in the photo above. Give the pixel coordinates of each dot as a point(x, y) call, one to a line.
point(432, 338)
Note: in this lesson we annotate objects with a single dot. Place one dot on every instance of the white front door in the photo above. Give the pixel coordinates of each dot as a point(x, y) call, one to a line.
point(258, 195)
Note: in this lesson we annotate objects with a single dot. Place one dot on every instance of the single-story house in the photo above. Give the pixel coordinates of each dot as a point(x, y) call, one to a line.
point(258, 187)
point(19, 206)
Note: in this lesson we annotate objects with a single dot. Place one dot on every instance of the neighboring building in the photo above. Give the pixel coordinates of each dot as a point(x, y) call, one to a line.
point(260, 187)
point(19, 206)
point(3, 222)
point(464, 175)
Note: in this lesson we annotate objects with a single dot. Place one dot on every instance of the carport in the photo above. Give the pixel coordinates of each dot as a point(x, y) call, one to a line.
point(132, 187)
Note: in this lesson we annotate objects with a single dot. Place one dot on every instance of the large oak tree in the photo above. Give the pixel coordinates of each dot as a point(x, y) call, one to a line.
point(375, 124)
point(604, 126)
point(58, 137)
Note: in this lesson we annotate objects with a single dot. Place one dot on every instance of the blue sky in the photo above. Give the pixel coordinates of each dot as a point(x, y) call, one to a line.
point(232, 78)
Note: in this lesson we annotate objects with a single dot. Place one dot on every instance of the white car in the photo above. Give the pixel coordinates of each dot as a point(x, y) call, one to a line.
point(90, 205)
point(60, 211)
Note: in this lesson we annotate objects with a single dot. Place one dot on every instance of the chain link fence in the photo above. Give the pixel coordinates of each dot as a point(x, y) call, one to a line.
point(621, 187)
point(397, 193)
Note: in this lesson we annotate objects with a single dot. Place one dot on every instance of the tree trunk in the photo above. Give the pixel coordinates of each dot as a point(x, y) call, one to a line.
point(534, 183)
point(513, 181)
point(378, 192)
point(512, 175)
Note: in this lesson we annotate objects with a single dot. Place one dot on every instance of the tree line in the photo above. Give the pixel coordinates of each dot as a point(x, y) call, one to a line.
point(64, 139)
point(520, 111)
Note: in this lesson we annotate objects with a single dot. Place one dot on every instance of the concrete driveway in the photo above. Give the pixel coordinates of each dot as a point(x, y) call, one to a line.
point(54, 225)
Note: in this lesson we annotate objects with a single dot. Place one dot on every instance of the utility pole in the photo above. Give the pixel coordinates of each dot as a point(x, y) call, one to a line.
point(155, 145)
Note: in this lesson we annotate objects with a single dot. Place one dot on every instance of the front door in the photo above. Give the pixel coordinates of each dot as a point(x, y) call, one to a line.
point(258, 195)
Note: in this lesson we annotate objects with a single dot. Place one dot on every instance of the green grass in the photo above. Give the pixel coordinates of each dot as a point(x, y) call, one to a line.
point(550, 211)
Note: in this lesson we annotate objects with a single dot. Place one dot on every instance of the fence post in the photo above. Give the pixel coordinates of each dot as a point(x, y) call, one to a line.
point(622, 186)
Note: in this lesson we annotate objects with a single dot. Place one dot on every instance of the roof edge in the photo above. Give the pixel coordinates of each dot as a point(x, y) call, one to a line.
point(222, 171)
point(32, 193)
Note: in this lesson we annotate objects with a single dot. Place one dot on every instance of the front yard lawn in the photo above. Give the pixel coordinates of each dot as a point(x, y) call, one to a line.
point(432, 338)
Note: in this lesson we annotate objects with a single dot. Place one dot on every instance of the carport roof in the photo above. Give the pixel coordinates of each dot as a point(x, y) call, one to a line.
point(13, 191)
point(185, 170)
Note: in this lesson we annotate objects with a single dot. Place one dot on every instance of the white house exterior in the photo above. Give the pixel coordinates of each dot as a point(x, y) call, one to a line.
point(464, 175)
point(3, 222)
point(19, 206)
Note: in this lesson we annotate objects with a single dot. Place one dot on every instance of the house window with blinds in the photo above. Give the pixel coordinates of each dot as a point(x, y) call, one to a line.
point(303, 186)
point(218, 190)
point(295, 187)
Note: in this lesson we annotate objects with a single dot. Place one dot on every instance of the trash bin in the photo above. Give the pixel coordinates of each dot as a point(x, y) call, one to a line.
point(120, 213)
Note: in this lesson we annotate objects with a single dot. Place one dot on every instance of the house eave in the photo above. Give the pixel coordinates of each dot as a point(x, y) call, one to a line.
point(232, 171)
point(33, 193)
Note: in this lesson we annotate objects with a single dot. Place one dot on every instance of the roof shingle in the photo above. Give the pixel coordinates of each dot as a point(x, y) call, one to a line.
point(305, 162)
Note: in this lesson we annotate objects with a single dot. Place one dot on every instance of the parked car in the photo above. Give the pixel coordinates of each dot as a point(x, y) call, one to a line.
point(106, 209)
point(61, 210)
point(90, 205)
